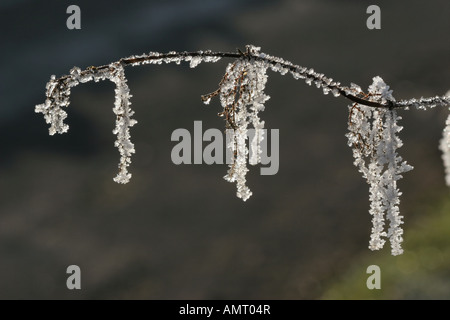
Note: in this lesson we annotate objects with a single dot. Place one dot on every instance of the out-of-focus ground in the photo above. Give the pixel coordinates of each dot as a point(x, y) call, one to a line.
point(422, 272)
point(179, 232)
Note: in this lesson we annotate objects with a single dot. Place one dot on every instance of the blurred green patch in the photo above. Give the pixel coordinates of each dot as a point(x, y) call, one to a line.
point(421, 272)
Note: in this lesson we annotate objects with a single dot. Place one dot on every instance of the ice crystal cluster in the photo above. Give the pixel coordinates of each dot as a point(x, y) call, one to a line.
point(242, 97)
point(372, 123)
point(58, 92)
point(373, 137)
point(123, 122)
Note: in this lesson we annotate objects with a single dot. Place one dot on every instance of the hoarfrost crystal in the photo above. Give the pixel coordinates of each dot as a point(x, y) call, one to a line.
point(373, 137)
point(195, 61)
point(242, 97)
point(123, 122)
point(58, 93)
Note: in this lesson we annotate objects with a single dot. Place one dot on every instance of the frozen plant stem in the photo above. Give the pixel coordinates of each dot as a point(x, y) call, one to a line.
point(123, 122)
point(372, 121)
point(374, 140)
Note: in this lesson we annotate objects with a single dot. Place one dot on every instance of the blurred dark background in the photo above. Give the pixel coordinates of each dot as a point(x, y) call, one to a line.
point(179, 232)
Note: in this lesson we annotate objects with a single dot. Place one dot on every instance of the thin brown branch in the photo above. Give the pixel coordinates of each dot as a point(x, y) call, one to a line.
point(279, 63)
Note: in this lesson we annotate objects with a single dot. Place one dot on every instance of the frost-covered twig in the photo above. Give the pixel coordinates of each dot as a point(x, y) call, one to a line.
point(372, 123)
point(58, 89)
point(123, 122)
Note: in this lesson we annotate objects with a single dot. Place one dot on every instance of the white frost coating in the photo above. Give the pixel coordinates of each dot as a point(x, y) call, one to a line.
point(242, 97)
point(425, 103)
point(195, 61)
point(379, 89)
point(123, 122)
point(237, 120)
point(257, 79)
point(395, 167)
point(58, 95)
point(172, 56)
point(373, 137)
point(376, 208)
point(444, 146)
